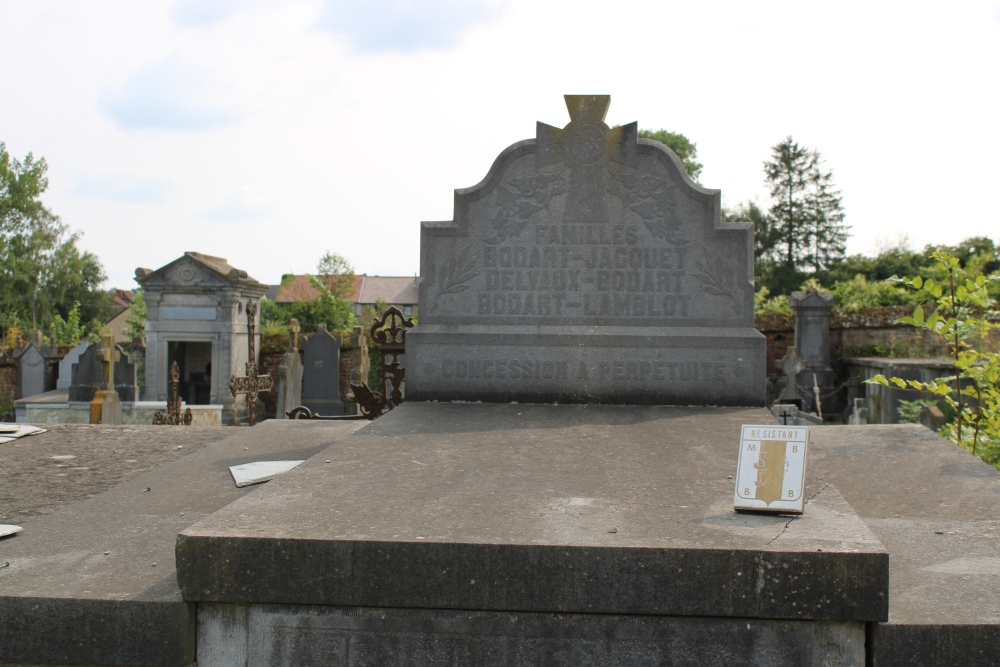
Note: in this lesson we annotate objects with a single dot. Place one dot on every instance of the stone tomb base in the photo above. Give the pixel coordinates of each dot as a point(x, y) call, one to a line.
point(446, 534)
point(618, 365)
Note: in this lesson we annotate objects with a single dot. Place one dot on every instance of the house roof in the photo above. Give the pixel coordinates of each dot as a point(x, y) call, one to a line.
point(395, 290)
point(300, 288)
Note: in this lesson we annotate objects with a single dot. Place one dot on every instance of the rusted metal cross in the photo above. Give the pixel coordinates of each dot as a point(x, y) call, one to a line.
point(252, 383)
point(174, 416)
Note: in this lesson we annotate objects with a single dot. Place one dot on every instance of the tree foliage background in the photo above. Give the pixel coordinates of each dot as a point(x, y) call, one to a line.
point(685, 149)
point(42, 271)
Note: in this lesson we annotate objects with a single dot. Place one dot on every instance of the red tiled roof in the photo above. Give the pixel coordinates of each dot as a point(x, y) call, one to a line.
point(394, 290)
point(300, 288)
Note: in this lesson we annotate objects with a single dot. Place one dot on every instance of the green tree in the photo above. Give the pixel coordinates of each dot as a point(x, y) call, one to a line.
point(336, 273)
point(806, 212)
point(684, 148)
point(136, 318)
point(42, 272)
point(68, 331)
point(765, 238)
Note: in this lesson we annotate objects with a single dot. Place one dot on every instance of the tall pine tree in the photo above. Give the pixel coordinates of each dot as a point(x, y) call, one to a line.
point(807, 218)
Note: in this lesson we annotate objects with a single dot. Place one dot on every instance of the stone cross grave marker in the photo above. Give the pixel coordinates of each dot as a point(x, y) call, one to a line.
point(321, 379)
point(251, 384)
point(791, 366)
point(106, 406)
point(587, 267)
point(290, 373)
point(89, 376)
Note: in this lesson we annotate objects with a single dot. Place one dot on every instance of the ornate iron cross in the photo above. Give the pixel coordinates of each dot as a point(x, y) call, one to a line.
point(174, 416)
point(252, 383)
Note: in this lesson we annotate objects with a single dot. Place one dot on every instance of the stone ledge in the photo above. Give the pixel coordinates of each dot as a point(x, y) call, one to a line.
point(515, 508)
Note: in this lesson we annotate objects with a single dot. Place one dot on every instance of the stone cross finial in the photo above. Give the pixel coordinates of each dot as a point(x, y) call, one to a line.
point(109, 355)
point(586, 146)
point(293, 335)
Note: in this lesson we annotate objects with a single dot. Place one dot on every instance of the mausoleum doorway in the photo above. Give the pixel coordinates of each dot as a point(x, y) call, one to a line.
point(194, 360)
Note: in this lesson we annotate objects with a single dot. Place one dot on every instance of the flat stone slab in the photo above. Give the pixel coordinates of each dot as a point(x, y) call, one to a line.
point(936, 508)
point(93, 582)
point(537, 508)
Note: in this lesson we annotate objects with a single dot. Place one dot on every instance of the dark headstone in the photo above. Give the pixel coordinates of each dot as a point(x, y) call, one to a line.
point(587, 267)
point(321, 373)
point(87, 376)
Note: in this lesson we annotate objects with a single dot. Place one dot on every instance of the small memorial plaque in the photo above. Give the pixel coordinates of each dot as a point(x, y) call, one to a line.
point(771, 472)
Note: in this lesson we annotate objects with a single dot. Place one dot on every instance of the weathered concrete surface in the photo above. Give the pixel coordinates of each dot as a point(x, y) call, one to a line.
point(93, 582)
point(74, 462)
point(252, 635)
point(936, 508)
point(541, 508)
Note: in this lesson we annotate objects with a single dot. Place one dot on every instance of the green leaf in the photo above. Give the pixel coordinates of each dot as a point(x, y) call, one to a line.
point(899, 383)
point(917, 282)
point(961, 293)
point(918, 315)
point(878, 379)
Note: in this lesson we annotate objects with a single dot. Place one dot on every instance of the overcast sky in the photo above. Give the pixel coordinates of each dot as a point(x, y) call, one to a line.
point(270, 132)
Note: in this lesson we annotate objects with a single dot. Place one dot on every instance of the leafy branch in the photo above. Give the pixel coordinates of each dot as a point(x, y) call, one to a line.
point(962, 317)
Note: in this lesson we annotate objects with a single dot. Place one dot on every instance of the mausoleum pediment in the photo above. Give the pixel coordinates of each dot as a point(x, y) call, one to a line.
point(195, 271)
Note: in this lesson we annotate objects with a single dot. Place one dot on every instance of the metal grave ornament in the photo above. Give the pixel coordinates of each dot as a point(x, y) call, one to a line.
point(252, 383)
point(771, 470)
point(174, 415)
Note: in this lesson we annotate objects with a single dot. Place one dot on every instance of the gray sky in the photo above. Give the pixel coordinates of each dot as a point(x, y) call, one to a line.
point(268, 133)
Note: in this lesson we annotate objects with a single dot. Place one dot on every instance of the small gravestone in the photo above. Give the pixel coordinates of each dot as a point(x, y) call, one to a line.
point(587, 267)
point(66, 365)
point(89, 376)
point(290, 373)
point(31, 367)
point(321, 373)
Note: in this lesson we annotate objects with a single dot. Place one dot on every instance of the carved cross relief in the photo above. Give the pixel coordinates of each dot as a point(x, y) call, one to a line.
point(586, 146)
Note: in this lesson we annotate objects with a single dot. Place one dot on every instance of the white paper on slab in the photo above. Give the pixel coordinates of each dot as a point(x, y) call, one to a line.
point(9, 529)
point(256, 472)
point(10, 432)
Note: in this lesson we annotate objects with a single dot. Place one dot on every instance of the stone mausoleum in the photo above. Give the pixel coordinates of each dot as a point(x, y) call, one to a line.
point(196, 316)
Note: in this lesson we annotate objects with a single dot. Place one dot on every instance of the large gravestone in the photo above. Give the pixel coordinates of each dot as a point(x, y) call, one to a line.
point(321, 373)
point(812, 339)
point(587, 267)
point(88, 376)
